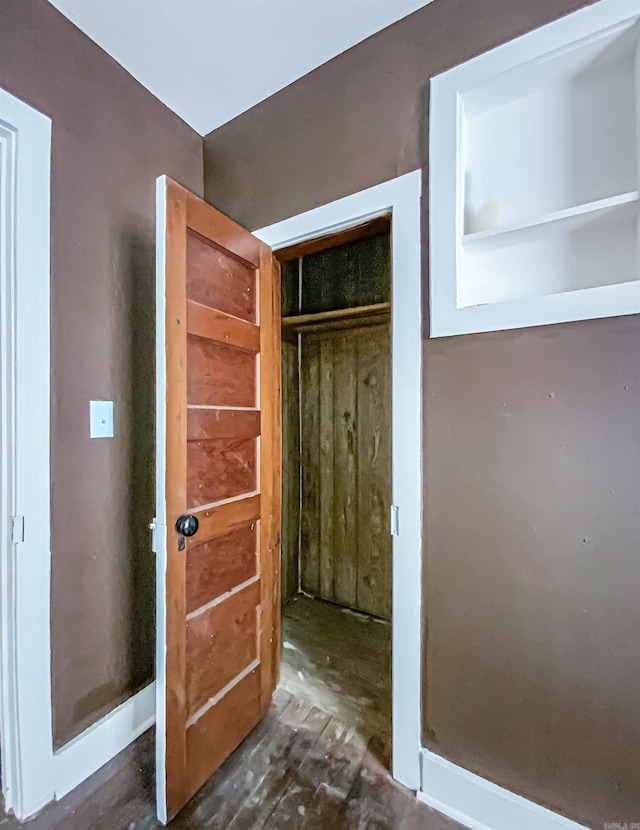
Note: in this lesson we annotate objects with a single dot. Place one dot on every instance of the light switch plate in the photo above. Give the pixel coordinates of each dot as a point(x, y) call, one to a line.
point(101, 419)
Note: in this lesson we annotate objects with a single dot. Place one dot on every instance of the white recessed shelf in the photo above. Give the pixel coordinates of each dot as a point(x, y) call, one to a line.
point(534, 162)
point(560, 221)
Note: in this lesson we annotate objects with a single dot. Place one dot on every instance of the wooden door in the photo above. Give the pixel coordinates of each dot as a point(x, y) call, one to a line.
point(345, 398)
point(218, 460)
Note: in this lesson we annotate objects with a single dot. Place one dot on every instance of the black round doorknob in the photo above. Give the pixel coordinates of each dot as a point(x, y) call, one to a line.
point(187, 525)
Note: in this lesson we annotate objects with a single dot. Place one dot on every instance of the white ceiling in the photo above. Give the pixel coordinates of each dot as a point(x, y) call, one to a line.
point(210, 60)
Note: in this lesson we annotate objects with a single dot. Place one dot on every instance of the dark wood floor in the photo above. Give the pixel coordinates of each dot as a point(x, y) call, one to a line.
point(316, 761)
point(340, 660)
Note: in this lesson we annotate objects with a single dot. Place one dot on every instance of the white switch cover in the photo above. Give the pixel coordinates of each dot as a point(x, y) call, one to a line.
point(101, 419)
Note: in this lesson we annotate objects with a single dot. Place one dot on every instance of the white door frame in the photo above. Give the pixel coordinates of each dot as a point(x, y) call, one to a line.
point(25, 139)
point(32, 773)
point(401, 198)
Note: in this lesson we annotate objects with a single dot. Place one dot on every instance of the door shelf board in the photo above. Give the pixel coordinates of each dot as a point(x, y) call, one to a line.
point(559, 221)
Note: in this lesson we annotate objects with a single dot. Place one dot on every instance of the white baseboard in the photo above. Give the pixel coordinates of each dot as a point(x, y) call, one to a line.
point(480, 805)
point(103, 741)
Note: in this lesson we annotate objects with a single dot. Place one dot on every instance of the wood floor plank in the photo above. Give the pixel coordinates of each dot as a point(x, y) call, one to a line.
point(362, 645)
point(326, 809)
point(258, 807)
point(341, 662)
point(305, 610)
point(363, 630)
point(375, 801)
point(227, 801)
point(421, 817)
point(334, 762)
point(344, 697)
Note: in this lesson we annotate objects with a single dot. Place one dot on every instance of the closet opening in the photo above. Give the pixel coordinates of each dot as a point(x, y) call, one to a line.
point(337, 488)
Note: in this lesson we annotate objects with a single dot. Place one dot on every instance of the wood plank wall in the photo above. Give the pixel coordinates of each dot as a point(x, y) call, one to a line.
point(345, 553)
point(337, 426)
point(290, 572)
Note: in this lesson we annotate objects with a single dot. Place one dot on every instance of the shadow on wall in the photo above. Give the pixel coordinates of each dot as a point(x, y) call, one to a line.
point(141, 320)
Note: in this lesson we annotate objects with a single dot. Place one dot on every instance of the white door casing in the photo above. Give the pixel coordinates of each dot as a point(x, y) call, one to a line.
point(25, 139)
point(400, 197)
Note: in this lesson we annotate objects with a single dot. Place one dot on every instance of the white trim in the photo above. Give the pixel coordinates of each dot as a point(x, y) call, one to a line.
point(32, 773)
point(160, 522)
point(202, 508)
point(26, 727)
point(401, 197)
point(101, 742)
point(480, 804)
point(8, 690)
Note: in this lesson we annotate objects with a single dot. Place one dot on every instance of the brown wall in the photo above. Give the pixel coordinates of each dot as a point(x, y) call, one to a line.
point(532, 445)
point(111, 139)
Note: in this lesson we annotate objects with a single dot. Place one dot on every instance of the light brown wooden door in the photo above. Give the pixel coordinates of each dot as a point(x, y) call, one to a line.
point(218, 466)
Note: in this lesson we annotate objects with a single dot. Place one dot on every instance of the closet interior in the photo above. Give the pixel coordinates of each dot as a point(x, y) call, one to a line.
point(336, 544)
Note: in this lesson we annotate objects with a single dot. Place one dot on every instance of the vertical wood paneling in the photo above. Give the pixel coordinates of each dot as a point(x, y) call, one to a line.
point(310, 528)
point(374, 471)
point(345, 553)
point(325, 471)
point(354, 274)
point(345, 436)
point(290, 468)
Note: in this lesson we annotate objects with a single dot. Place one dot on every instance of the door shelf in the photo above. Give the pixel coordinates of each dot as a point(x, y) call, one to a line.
point(561, 221)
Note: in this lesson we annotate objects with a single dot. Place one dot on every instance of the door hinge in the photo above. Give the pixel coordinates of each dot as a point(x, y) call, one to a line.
point(153, 527)
point(394, 520)
point(17, 529)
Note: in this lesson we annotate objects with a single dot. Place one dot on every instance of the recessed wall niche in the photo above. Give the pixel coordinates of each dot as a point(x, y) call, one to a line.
point(534, 178)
